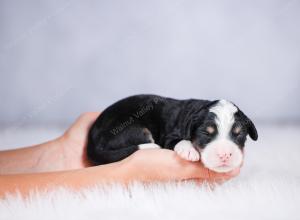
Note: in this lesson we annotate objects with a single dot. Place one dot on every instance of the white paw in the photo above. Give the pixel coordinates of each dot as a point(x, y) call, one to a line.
point(148, 146)
point(186, 150)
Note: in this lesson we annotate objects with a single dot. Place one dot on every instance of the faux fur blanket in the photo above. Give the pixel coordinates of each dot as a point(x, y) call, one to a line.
point(267, 188)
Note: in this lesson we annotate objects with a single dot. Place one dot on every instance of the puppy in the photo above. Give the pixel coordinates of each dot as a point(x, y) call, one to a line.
point(211, 131)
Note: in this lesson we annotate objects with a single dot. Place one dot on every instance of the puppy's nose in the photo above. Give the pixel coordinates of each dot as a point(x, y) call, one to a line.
point(224, 156)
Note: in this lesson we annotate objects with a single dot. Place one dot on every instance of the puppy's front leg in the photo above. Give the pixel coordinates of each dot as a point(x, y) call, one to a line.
point(186, 150)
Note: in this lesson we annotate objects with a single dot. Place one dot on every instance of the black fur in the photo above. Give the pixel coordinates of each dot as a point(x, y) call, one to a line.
point(120, 128)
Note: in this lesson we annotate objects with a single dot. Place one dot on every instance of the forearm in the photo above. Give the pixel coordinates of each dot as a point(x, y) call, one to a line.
point(38, 158)
point(55, 155)
point(146, 166)
point(74, 179)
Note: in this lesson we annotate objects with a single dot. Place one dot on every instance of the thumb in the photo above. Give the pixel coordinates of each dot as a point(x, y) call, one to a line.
point(198, 170)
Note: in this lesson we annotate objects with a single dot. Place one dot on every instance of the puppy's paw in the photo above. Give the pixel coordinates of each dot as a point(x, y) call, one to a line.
point(186, 150)
point(148, 146)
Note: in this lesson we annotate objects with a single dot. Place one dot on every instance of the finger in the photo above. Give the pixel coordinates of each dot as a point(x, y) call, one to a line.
point(86, 119)
point(89, 116)
point(198, 170)
point(234, 172)
point(226, 175)
point(223, 177)
point(195, 169)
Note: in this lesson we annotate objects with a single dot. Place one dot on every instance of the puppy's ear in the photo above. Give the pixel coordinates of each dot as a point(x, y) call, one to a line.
point(250, 126)
point(252, 130)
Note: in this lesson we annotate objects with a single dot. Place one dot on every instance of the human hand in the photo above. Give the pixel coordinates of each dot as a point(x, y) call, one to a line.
point(74, 141)
point(165, 165)
point(144, 165)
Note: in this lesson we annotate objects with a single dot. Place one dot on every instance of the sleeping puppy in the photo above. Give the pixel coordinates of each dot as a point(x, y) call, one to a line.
point(211, 131)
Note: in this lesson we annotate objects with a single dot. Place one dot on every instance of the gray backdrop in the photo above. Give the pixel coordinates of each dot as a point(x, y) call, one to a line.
point(60, 58)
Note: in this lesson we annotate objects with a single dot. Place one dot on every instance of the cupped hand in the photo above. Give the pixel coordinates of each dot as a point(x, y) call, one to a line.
point(144, 165)
point(165, 165)
point(74, 141)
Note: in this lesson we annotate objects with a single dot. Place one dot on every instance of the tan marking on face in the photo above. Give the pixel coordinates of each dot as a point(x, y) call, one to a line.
point(210, 129)
point(237, 130)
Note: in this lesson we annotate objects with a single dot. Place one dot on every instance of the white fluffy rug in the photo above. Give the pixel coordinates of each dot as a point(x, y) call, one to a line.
point(267, 188)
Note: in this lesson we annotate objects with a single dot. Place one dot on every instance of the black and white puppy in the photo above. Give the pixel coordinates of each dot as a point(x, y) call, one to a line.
point(213, 131)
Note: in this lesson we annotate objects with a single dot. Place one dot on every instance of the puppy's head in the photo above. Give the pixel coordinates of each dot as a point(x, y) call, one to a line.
point(220, 135)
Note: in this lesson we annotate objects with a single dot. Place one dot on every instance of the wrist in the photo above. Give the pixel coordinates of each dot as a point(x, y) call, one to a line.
point(125, 171)
point(114, 173)
point(53, 156)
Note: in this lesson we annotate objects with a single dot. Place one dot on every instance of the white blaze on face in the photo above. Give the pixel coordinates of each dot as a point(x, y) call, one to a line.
point(222, 154)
